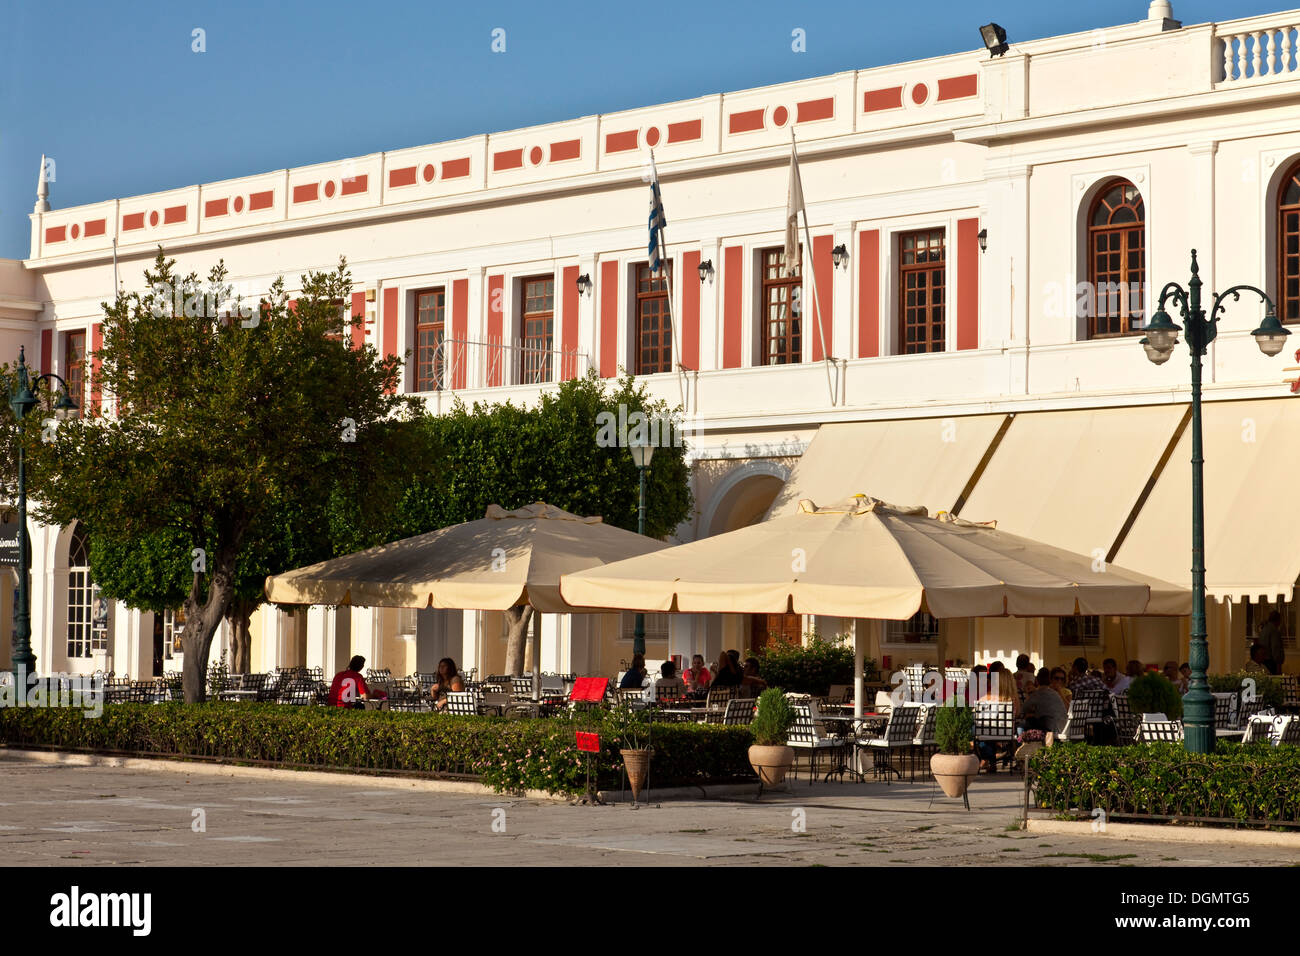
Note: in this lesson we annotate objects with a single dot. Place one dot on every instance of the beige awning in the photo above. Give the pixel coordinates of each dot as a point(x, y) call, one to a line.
point(1072, 478)
point(505, 559)
point(926, 461)
point(1252, 522)
point(867, 559)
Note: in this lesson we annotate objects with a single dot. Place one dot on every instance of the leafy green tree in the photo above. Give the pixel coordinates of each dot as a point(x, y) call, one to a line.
point(234, 433)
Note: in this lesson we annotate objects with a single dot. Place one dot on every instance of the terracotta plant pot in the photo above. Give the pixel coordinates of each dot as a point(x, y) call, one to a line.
point(954, 772)
point(771, 763)
point(637, 763)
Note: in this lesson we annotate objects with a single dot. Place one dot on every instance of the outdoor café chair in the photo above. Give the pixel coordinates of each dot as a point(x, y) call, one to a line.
point(1087, 707)
point(1259, 729)
point(463, 703)
point(1224, 718)
point(1289, 733)
point(715, 703)
point(1291, 691)
point(1154, 731)
point(1251, 709)
point(804, 735)
point(900, 735)
point(995, 723)
point(739, 712)
point(1126, 722)
point(924, 741)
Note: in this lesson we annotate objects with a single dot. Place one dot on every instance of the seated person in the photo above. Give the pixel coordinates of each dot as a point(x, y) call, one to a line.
point(1044, 708)
point(726, 673)
point(1258, 659)
point(348, 689)
point(1115, 682)
point(449, 680)
point(697, 676)
point(751, 685)
point(669, 685)
point(635, 675)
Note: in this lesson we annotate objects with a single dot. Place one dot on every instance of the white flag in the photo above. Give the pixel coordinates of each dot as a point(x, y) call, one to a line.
point(794, 206)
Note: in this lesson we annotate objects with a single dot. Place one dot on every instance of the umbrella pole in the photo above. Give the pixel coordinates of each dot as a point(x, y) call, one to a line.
point(858, 655)
point(537, 654)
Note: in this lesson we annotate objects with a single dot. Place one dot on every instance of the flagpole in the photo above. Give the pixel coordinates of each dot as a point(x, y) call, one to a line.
point(812, 275)
point(668, 272)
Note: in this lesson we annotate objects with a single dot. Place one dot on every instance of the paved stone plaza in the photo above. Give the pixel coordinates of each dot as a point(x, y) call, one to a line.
point(104, 816)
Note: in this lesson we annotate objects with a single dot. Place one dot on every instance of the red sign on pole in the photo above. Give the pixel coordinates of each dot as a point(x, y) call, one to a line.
point(587, 742)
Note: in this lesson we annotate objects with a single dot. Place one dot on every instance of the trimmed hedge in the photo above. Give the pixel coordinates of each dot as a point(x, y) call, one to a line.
point(1253, 782)
point(810, 669)
point(507, 754)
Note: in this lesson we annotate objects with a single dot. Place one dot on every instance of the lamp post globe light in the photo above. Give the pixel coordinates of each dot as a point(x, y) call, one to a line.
point(642, 452)
point(1161, 337)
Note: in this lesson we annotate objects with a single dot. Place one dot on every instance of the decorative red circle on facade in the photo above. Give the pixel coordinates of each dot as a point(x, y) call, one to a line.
point(920, 93)
point(535, 155)
point(652, 136)
point(76, 230)
point(153, 218)
point(239, 204)
point(780, 116)
point(428, 172)
point(329, 189)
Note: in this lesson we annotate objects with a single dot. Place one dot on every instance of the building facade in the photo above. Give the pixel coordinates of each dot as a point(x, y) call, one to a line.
point(988, 237)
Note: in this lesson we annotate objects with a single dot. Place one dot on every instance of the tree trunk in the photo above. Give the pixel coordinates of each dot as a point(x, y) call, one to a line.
point(240, 641)
point(517, 617)
point(201, 623)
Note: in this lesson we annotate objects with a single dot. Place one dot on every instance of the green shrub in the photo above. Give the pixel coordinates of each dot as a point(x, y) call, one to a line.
point(773, 719)
point(810, 669)
point(954, 728)
point(506, 754)
point(1268, 689)
point(1238, 782)
point(1153, 693)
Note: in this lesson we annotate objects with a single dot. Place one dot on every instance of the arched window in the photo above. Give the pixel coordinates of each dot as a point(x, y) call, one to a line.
point(1117, 264)
point(1288, 246)
point(79, 596)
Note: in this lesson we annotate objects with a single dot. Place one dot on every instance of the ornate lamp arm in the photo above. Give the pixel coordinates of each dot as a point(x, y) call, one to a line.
point(1173, 290)
point(1236, 292)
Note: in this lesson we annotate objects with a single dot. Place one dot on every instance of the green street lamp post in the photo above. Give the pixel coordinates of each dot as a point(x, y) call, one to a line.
point(642, 452)
point(22, 399)
point(1161, 337)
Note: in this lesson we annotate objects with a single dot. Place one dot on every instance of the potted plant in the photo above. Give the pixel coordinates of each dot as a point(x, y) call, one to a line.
point(630, 729)
point(955, 764)
point(769, 755)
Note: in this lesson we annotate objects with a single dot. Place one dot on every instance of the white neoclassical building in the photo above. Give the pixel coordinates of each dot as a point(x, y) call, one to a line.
point(988, 236)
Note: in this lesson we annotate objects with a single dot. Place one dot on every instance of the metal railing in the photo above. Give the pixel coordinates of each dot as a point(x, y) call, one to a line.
point(469, 363)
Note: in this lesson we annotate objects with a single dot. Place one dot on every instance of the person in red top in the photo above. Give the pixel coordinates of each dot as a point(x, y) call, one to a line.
point(349, 687)
point(697, 676)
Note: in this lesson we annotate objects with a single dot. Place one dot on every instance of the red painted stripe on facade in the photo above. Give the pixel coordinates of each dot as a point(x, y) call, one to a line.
point(733, 278)
point(886, 99)
point(56, 233)
point(174, 214)
point(216, 207)
point(261, 200)
point(455, 168)
point(869, 293)
point(609, 318)
point(390, 322)
point(95, 228)
point(507, 159)
point(496, 312)
point(745, 122)
point(96, 343)
point(359, 311)
point(685, 132)
point(569, 149)
point(306, 192)
point(357, 184)
point(134, 220)
point(47, 352)
point(401, 177)
point(569, 324)
point(621, 142)
point(822, 312)
point(690, 356)
point(968, 284)
point(810, 111)
point(459, 328)
point(958, 87)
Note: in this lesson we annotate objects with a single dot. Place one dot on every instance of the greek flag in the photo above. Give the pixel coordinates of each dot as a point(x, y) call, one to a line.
point(657, 251)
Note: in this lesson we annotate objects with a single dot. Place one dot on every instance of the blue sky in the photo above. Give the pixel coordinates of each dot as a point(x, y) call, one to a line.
point(113, 91)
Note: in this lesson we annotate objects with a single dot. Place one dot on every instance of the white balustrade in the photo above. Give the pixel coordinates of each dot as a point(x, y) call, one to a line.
point(1259, 55)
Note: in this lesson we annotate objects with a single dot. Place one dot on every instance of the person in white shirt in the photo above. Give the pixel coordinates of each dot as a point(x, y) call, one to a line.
point(1115, 682)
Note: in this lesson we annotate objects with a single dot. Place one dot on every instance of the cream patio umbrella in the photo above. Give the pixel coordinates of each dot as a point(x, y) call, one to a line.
point(504, 560)
point(868, 559)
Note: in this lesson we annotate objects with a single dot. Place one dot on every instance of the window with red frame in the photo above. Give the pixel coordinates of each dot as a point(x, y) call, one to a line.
point(922, 264)
point(782, 306)
point(430, 334)
point(74, 369)
point(1117, 266)
point(654, 334)
point(1288, 246)
point(537, 326)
